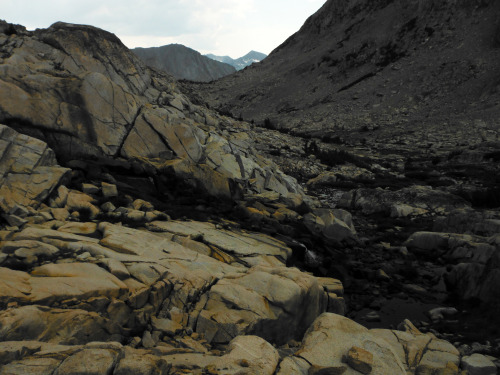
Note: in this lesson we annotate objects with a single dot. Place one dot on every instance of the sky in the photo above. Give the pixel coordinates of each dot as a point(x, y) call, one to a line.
point(221, 27)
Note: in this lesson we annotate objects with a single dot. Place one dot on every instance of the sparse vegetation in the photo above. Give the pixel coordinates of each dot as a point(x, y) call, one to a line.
point(333, 157)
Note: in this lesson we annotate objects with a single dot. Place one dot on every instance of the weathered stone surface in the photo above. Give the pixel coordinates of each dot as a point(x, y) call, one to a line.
point(266, 302)
point(417, 200)
point(87, 229)
point(31, 366)
point(238, 243)
point(109, 190)
point(69, 327)
point(166, 326)
point(89, 362)
point(293, 366)
point(116, 268)
point(420, 353)
point(28, 170)
point(248, 354)
point(360, 360)
point(475, 272)
point(478, 364)
point(404, 210)
point(140, 362)
point(469, 221)
point(187, 276)
point(331, 336)
point(59, 198)
point(82, 203)
point(55, 282)
point(341, 173)
point(31, 247)
point(333, 225)
point(69, 280)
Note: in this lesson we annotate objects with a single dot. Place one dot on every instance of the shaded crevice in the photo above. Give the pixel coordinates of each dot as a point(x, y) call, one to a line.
point(424, 351)
point(24, 126)
point(160, 136)
point(405, 349)
point(305, 359)
point(128, 131)
point(223, 254)
point(361, 79)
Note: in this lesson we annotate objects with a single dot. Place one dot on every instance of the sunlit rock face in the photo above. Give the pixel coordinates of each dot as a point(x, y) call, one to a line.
point(83, 92)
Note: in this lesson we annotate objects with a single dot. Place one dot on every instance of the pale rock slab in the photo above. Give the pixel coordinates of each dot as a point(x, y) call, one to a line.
point(28, 170)
point(478, 364)
point(58, 326)
point(250, 355)
point(331, 336)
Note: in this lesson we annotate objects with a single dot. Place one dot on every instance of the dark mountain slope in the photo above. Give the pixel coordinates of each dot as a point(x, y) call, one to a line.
point(357, 64)
point(184, 63)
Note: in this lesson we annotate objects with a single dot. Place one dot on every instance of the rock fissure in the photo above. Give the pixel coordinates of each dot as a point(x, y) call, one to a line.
point(160, 136)
point(129, 130)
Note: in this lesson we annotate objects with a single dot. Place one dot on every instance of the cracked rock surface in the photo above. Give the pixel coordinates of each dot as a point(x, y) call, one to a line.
point(167, 243)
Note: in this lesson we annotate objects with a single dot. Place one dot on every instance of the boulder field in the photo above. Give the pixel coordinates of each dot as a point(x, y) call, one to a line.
point(141, 233)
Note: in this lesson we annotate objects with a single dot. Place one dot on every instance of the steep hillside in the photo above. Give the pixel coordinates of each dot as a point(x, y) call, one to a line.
point(183, 63)
point(242, 62)
point(358, 64)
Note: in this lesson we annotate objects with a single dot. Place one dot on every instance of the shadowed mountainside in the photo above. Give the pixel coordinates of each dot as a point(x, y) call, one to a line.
point(375, 63)
point(184, 63)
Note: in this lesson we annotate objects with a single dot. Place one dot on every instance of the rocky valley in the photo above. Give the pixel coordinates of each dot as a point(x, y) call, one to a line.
point(147, 228)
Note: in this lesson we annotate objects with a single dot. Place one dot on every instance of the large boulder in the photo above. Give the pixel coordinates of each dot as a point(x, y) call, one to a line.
point(83, 92)
point(335, 226)
point(420, 353)
point(268, 302)
point(28, 170)
point(249, 355)
point(332, 336)
point(477, 364)
point(474, 271)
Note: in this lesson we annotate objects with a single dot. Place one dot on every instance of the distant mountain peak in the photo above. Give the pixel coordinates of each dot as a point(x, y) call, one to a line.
point(241, 62)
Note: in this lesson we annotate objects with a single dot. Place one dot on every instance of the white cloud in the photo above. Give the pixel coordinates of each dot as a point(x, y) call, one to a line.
point(224, 27)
